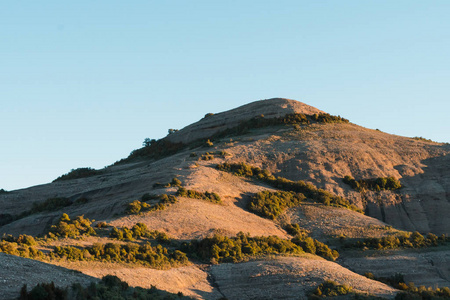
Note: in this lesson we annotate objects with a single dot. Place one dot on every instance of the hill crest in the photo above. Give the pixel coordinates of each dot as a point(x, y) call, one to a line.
point(214, 123)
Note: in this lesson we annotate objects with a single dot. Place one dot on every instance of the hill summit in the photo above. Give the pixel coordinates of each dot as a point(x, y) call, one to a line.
point(214, 123)
point(273, 200)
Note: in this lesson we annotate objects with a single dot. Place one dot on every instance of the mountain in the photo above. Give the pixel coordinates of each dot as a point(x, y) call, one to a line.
point(358, 183)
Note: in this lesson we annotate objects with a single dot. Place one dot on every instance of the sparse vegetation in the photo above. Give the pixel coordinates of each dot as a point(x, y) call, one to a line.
point(376, 184)
point(271, 204)
point(174, 183)
point(211, 155)
point(208, 196)
point(110, 287)
point(208, 143)
point(163, 148)
point(309, 190)
point(411, 292)
point(137, 206)
point(79, 173)
point(419, 138)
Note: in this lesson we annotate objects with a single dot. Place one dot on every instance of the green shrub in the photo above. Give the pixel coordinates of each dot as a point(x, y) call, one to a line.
point(79, 173)
point(272, 204)
point(2, 191)
point(72, 228)
point(406, 240)
point(316, 247)
point(331, 289)
point(137, 206)
point(139, 230)
point(208, 196)
point(376, 184)
point(145, 254)
point(174, 183)
point(20, 246)
point(224, 249)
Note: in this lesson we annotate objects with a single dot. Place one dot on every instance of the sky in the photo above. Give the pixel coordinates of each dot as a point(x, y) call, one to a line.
point(83, 83)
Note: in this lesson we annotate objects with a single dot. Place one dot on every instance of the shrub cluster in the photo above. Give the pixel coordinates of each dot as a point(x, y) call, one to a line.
point(208, 196)
point(376, 184)
point(3, 191)
point(271, 204)
point(79, 173)
point(309, 190)
point(72, 228)
point(20, 246)
point(174, 183)
point(309, 244)
point(156, 257)
point(137, 206)
point(419, 138)
point(50, 204)
point(413, 240)
point(330, 289)
point(211, 155)
point(110, 287)
point(313, 246)
point(218, 249)
point(288, 119)
point(410, 291)
point(156, 150)
point(139, 230)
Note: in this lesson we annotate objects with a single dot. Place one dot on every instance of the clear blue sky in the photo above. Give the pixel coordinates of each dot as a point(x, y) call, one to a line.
point(82, 83)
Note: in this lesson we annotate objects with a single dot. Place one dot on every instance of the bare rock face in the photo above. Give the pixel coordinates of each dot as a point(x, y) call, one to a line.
point(215, 123)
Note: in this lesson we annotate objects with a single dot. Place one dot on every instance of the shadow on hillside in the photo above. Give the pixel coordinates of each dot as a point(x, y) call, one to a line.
point(423, 204)
point(243, 200)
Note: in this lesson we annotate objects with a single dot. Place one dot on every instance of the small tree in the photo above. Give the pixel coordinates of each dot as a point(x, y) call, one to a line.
point(148, 142)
